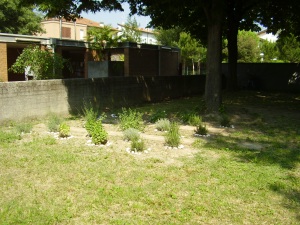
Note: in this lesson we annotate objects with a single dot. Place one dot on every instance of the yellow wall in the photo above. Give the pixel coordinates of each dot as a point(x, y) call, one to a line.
point(52, 29)
point(3, 62)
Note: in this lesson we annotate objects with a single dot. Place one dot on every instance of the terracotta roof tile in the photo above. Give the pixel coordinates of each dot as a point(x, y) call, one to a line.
point(84, 21)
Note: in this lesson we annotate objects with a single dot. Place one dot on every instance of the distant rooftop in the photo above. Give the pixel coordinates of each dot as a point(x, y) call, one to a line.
point(83, 21)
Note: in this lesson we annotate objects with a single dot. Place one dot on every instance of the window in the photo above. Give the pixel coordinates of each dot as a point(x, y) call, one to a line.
point(66, 32)
point(81, 34)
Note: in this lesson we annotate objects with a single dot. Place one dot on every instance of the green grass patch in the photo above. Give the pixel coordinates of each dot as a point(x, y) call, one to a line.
point(246, 175)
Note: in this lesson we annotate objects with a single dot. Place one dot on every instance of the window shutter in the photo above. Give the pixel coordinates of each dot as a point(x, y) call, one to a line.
point(66, 32)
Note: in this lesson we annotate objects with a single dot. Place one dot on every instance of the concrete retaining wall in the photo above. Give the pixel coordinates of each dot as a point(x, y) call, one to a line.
point(33, 99)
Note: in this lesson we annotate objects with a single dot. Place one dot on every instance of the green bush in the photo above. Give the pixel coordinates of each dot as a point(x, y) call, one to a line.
point(224, 120)
point(191, 118)
point(194, 120)
point(129, 118)
point(90, 115)
point(201, 129)
point(131, 134)
point(53, 123)
point(162, 125)
point(64, 130)
point(99, 135)
point(138, 145)
point(157, 115)
point(172, 138)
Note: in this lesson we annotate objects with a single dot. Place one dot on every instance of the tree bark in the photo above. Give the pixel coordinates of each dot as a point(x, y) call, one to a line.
point(232, 32)
point(213, 96)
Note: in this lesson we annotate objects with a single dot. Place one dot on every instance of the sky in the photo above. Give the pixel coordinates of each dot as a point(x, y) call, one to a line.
point(115, 17)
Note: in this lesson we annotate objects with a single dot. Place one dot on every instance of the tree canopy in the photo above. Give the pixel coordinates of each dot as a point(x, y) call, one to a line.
point(71, 9)
point(17, 19)
point(130, 31)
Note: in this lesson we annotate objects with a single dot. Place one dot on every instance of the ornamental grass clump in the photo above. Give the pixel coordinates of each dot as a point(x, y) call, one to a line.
point(224, 120)
point(53, 123)
point(172, 138)
point(194, 120)
point(163, 124)
point(131, 134)
point(130, 118)
point(90, 115)
point(137, 145)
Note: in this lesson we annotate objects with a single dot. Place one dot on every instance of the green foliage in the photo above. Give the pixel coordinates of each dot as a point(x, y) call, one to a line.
point(90, 115)
point(163, 124)
point(9, 137)
point(101, 38)
point(158, 114)
point(99, 135)
point(41, 64)
point(224, 120)
point(53, 123)
point(248, 47)
point(130, 31)
point(201, 129)
point(64, 130)
point(23, 127)
point(130, 118)
point(48, 140)
point(131, 134)
point(191, 49)
point(168, 37)
point(194, 120)
point(137, 144)
point(270, 51)
point(18, 19)
point(172, 137)
point(191, 118)
point(289, 48)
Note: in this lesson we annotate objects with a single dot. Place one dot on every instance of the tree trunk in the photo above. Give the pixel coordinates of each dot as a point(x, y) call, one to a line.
point(213, 96)
point(232, 32)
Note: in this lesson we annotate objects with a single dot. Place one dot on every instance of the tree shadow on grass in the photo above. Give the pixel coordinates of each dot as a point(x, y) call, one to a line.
point(291, 195)
point(265, 152)
point(272, 152)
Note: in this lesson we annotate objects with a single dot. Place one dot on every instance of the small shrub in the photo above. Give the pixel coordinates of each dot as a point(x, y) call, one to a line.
point(172, 138)
point(23, 128)
point(137, 145)
point(163, 124)
point(222, 109)
point(53, 123)
point(99, 135)
point(225, 120)
point(157, 115)
point(131, 134)
point(64, 130)
point(194, 120)
point(201, 129)
point(90, 115)
point(130, 119)
point(191, 118)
